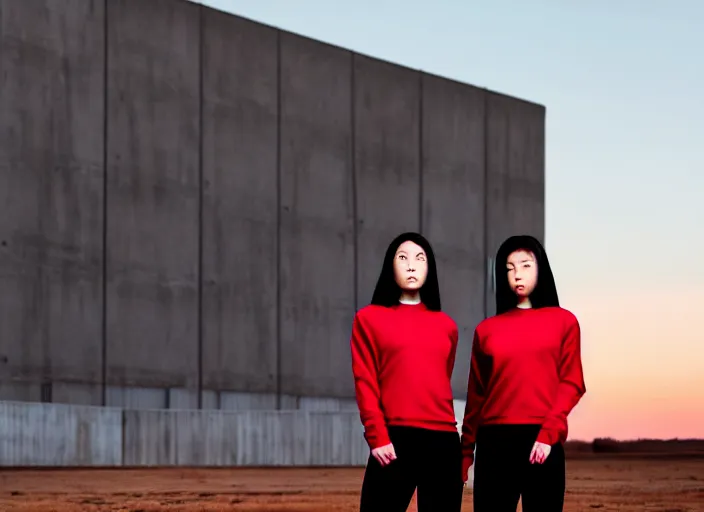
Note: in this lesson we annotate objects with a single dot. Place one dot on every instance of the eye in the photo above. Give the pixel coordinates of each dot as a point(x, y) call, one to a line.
point(401, 257)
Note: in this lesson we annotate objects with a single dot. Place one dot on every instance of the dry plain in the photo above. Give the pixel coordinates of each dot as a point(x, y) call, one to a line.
point(603, 483)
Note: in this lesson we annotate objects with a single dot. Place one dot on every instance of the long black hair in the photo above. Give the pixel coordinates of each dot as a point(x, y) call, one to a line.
point(387, 292)
point(545, 292)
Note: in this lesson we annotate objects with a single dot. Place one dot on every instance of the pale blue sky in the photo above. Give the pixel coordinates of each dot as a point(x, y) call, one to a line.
point(623, 83)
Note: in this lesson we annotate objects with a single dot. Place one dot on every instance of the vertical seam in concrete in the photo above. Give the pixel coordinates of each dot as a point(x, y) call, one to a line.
point(353, 163)
point(104, 270)
point(123, 430)
point(201, 14)
point(420, 151)
point(486, 200)
point(543, 129)
point(278, 219)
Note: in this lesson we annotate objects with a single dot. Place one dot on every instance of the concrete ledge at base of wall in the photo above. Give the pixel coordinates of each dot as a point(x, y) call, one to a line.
point(40, 434)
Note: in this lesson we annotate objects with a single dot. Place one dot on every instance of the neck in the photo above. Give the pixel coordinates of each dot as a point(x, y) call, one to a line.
point(409, 298)
point(524, 303)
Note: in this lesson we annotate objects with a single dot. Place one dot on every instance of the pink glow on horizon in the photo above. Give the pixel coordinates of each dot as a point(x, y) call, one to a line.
point(644, 367)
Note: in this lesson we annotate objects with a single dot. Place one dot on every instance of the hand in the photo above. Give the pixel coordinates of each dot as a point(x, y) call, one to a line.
point(539, 453)
point(384, 454)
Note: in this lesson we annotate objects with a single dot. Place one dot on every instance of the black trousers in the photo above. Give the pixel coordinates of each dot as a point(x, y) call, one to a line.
point(429, 461)
point(503, 472)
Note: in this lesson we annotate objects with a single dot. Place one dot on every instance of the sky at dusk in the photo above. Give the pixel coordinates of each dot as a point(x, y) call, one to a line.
point(623, 84)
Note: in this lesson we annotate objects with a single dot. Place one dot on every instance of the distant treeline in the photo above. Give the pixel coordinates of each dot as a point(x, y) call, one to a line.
point(608, 445)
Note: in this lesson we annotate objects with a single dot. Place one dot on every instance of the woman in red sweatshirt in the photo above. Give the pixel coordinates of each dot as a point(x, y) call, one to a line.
point(403, 352)
point(525, 377)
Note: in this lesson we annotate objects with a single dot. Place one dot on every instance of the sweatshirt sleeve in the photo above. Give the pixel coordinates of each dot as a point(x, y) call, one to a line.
point(570, 389)
point(454, 337)
point(474, 404)
point(366, 382)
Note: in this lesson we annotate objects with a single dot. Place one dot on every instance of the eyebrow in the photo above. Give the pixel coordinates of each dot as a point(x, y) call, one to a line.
point(522, 261)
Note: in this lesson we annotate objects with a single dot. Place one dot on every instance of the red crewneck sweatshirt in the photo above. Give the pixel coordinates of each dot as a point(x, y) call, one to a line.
point(402, 361)
point(525, 368)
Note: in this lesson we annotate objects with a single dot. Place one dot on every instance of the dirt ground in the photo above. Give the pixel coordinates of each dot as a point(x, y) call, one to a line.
point(623, 484)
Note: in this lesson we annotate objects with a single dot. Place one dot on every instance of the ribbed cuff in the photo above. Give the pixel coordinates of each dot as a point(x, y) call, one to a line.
point(549, 437)
point(378, 438)
point(467, 462)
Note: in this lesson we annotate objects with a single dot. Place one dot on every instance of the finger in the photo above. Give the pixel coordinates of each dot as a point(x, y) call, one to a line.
point(392, 454)
point(387, 457)
point(532, 455)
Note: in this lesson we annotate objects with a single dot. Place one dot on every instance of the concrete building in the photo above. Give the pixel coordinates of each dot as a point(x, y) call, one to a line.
point(195, 205)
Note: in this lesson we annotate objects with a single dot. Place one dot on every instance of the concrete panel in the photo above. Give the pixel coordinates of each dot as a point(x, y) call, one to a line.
point(515, 173)
point(152, 193)
point(238, 401)
point(317, 219)
point(336, 439)
point(20, 391)
point(387, 166)
point(288, 403)
point(179, 398)
point(65, 435)
point(136, 398)
point(59, 435)
point(216, 438)
point(78, 394)
point(239, 204)
point(453, 205)
point(210, 400)
point(327, 404)
point(51, 183)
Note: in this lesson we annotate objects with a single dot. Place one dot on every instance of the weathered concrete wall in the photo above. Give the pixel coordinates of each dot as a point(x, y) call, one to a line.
point(317, 219)
point(240, 202)
point(69, 435)
point(231, 189)
point(453, 205)
point(59, 435)
point(245, 438)
point(152, 193)
point(51, 188)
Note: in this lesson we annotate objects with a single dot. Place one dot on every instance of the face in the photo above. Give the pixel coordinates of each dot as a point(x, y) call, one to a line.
point(410, 266)
point(522, 270)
